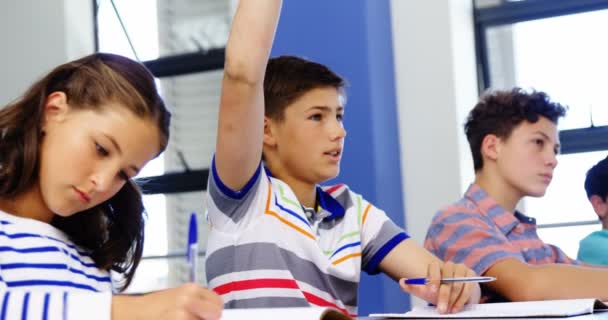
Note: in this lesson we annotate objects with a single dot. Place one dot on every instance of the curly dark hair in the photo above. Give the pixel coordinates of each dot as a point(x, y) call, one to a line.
point(112, 231)
point(596, 181)
point(288, 77)
point(499, 112)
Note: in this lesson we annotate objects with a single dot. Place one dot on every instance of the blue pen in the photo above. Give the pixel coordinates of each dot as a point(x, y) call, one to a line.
point(193, 247)
point(424, 281)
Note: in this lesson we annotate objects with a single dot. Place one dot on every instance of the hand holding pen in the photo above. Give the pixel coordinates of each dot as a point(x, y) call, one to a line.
point(447, 285)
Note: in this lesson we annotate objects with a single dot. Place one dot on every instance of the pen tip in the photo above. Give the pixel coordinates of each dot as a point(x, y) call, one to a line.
point(192, 231)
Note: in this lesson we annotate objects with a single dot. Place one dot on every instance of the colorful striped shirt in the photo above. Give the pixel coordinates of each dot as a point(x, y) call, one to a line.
point(43, 275)
point(478, 232)
point(266, 250)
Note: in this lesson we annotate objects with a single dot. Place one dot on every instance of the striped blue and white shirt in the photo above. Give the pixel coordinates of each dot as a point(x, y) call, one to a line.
point(43, 275)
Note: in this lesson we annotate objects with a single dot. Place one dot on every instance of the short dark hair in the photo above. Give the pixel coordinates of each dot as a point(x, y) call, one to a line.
point(596, 181)
point(288, 77)
point(499, 112)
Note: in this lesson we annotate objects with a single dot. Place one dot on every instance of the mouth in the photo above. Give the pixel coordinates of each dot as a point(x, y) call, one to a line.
point(334, 154)
point(547, 177)
point(83, 196)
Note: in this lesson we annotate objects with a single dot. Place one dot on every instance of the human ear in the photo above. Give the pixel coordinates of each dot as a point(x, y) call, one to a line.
point(599, 206)
point(269, 136)
point(55, 108)
point(490, 147)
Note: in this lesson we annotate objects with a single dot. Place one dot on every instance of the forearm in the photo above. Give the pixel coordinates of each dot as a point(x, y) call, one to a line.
point(408, 260)
point(250, 40)
point(552, 281)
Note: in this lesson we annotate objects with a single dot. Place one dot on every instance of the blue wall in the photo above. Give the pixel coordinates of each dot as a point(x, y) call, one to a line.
point(353, 37)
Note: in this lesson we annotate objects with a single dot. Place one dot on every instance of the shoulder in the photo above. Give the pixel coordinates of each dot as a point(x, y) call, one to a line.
point(463, 209)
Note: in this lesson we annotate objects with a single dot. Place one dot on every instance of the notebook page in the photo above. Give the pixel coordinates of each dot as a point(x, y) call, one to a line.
point(549, 308)
point(312, 313)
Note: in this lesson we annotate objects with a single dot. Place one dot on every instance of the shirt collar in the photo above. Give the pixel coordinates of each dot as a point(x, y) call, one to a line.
point(326, 201)
point(329, 204)
point(504, 219)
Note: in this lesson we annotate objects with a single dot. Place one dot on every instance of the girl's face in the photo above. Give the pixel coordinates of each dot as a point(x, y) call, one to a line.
point(86, 156)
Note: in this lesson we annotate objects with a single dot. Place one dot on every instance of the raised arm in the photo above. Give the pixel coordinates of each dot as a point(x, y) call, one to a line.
point(241, 115)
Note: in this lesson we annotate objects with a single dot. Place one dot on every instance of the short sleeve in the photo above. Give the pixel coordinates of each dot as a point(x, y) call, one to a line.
point(227, 209)
point(468, 238)
point(379, 235)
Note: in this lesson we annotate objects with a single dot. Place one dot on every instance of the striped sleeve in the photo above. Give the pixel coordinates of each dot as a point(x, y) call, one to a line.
point(228, 209)
point(55, 305)
point(379, 235)
point(561, 257)
point(465, 237)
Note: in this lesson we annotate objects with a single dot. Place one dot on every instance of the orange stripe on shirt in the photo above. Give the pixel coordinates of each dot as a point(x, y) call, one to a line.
point(346, 257)
point(369, 205)
point(285, 221)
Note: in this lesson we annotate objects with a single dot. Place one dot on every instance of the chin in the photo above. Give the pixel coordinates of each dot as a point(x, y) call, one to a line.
point(64, 212)
point(537, 193)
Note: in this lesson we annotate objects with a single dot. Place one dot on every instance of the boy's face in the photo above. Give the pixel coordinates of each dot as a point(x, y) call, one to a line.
point(306, 145)
point(527, 158)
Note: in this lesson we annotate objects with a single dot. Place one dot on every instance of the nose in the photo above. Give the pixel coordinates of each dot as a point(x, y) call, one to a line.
point(552, 160)
point(338, 132)
point(103, 180)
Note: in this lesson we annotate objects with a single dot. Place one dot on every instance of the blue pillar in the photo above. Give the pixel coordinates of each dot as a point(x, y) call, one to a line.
point(353, 38)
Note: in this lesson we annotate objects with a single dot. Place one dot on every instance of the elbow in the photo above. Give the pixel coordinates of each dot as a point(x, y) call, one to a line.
point(240, 70)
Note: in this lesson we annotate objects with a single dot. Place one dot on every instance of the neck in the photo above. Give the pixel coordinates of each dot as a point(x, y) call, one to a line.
point(605, 224)
point(503, 193)
point(305, 192)
point(28, 204)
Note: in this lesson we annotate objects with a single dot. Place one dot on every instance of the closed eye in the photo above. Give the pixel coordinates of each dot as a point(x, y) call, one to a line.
point(101, 150)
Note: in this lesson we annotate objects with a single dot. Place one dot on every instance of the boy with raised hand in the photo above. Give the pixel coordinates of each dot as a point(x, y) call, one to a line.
point(278, 239)
point(514, 142)
point(592, 248)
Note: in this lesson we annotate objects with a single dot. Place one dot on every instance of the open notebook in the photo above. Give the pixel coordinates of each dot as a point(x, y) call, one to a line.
point(312, 313)
point(526, 309)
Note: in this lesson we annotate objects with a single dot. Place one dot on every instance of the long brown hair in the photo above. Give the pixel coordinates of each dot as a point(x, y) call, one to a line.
point(114, 230)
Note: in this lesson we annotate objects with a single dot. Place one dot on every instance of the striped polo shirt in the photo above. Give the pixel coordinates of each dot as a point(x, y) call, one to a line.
point(266, 250)
point(478, 232)
point(43, 275)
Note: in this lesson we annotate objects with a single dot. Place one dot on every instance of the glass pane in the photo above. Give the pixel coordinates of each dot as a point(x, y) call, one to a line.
point(566, 200)
point(179, 207)
point(552, 56)
point(567, 238)
point(151, 275)
point(140, 20)
point(190, 26)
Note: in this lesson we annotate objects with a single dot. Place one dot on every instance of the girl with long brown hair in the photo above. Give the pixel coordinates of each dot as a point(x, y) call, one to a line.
point(69, 210)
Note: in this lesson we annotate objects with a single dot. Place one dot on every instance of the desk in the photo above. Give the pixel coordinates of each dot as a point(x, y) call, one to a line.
point(595, 316)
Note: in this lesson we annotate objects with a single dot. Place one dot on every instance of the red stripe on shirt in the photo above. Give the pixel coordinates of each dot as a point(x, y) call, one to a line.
point(318, 301)
point(256, 284)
